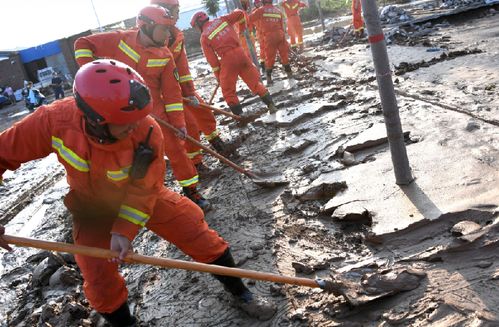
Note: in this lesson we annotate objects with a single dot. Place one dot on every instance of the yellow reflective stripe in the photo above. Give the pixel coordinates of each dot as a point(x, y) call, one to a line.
point(272, 15)
point(174, 107)
point(157, 62)
point(242, 20)
point(189, 182)
point(218, 29)
point(118, 175)
point(178, 47)
point(69, 156)
point(84, 53)
point(185, 78)
point(287, 5)
point(129, 51)
point(213, 134)
point(215, 69)
point(133, 215)
point(293, 7)
point(192, 155)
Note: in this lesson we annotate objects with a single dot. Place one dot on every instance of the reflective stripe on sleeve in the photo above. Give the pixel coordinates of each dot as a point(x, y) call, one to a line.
point(174, 107)
point(185, 78)
point(157, 62)
point(189, 182)
point(129, 51)
point(118, 175)
point(133, 215)
point(70, 156)
point(192, 155)
point(212, 135)
point(84, 53)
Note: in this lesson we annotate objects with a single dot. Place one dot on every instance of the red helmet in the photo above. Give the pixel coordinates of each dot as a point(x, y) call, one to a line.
point(108, 91)
point(198, 18)
point(165, 2)
point(257, 3)
point(154, 15)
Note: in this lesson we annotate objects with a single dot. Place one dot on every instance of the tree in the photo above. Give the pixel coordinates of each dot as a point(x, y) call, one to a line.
point(211, 6)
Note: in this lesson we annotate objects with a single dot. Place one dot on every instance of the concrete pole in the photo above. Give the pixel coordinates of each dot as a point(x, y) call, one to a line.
point(321, 16)
point(403, 175)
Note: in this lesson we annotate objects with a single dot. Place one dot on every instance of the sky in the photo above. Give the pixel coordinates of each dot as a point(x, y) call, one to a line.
point(27, 23)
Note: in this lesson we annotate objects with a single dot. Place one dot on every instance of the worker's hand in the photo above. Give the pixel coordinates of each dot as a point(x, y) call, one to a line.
point(182, 133)
point(193, 100)
point(2, 241)
point(122, 245)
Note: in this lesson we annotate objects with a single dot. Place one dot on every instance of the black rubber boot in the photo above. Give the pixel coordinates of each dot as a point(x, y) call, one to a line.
point(269, 77)
point(192, 193)
point(236, 109)
point(234, 285)
point(287, 69)
point(121, 317)
point(255, 306)
point(262, 66)
point(267, 99)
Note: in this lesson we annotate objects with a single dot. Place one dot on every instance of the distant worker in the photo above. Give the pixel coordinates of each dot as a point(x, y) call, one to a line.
point(204, 119)
point(260, 37)
point(57, 86)
point(144, 49)
point(357, 21)
point(227, 58)
point(35, 97)
point(243, 26)
point(113, 155)
point(295, 28)
point(272, 25)
point(9, 93)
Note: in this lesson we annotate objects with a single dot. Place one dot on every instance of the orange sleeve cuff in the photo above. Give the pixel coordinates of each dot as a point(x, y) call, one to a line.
point(125, 228)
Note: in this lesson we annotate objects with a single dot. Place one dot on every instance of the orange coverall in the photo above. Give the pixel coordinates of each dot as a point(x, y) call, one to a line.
point(102, 197)
point(358, 22)
point(158, 69)
point(271, 22)
point(261, 40)
point(227, 58)
point(198, 119)
point(295, 29)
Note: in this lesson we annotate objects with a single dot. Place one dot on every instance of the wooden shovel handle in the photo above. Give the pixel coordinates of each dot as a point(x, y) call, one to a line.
point(207, 149)
point(220, 111)
point(161, 262)
point(213, 94)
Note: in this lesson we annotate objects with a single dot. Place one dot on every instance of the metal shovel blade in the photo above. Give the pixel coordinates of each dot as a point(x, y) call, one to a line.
point(268, 180)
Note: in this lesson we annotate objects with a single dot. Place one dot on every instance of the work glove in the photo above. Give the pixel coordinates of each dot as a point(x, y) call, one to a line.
point(4, 244)
point(182, 133)
point(193, 100)
point(122, 245)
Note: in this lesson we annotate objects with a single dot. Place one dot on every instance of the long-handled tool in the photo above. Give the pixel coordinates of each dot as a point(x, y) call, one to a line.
point(163, 262)
point(216, 110)
point(213, 95)
point(264, 181)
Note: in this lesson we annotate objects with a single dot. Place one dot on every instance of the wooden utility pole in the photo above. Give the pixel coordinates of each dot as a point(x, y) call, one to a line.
point(321, 16)
point(403, 174)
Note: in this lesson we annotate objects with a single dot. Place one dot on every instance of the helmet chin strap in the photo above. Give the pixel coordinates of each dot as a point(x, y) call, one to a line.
point(99, 133)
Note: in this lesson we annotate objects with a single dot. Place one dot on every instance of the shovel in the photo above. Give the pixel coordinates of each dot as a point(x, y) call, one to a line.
point(242, 120)
point(264, 180)
point(163, 262)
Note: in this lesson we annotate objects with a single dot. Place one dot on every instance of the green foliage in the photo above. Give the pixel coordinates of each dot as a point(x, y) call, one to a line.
point(211, 6)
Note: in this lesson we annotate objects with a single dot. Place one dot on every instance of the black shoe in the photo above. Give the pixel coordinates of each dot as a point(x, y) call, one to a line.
point(206, 173)
point(267, 99)
point(192, 193)
point(237, 109)
point(121, 317)
point(269, 77)
point(255, 306)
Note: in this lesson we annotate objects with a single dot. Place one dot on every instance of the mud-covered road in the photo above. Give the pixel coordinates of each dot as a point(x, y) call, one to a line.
point(419, 255)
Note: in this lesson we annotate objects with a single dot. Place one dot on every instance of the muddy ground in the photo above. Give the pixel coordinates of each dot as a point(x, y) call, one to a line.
point(425, 254)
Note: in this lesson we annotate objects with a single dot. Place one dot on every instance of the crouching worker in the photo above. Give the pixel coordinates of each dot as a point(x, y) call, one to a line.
point(113, 155)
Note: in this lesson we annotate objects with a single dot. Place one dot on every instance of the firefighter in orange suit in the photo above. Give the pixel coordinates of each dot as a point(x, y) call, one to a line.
point(116, 187)
point(259, 35)
point(271, 23)
point(295, 29)
point(144, 50)
point(357, 21)
point(227, 58)
point(204, 120)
